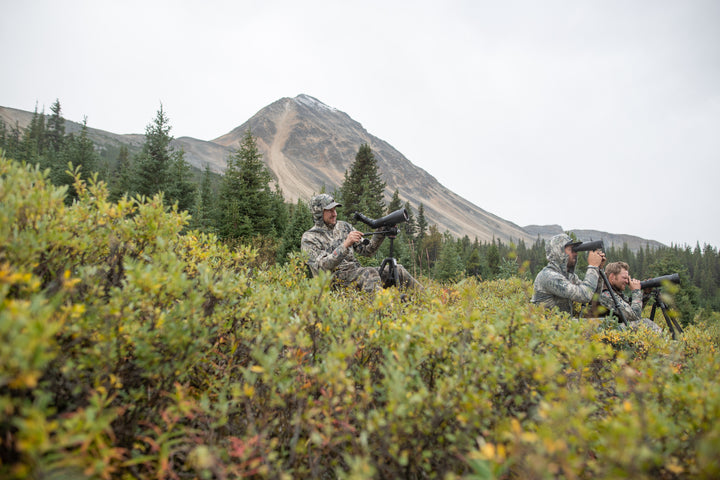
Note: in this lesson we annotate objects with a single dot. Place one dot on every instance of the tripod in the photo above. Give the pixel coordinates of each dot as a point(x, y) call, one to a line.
point(670, 321)
point(390, 262)
point(393, 276)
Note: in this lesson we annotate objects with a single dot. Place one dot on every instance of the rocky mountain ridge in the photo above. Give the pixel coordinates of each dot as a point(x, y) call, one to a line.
point(309, 145)
point(633, 242)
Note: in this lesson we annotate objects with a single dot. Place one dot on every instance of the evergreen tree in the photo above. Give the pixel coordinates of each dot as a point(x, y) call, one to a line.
point(55, 135)
point(449, 265)
point(422, 224)
point(362, 189)
point(473, 263)
point(300, 222)
point(246, 204)
point(31, 147)
point(4, 136)
point(121, 180)
point(204, 216)
point(395, 202)
point(493, 259)
point(430, 247)
point(10, 140)
point(152, 165)
point(180, 186)
point(410, 226)
point(80, 152)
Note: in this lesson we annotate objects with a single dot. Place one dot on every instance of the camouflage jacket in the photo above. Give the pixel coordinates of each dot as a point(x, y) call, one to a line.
point(556, 287)
point(324, 246)
point(631, 308)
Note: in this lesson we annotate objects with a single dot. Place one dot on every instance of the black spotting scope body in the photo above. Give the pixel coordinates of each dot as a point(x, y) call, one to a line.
point(658, 281)
point(389, 220)
point(589, 246)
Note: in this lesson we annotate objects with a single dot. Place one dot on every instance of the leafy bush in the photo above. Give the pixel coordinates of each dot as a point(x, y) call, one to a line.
point(133, 350)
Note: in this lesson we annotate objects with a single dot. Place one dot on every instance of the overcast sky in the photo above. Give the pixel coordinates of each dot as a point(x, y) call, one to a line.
point(589, 114)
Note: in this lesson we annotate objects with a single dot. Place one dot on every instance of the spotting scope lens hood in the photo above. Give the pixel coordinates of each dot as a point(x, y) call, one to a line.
point(658, 281)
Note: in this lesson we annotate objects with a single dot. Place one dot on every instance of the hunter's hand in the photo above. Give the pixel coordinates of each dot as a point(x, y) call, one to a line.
point(353, 237)
point(596, 258)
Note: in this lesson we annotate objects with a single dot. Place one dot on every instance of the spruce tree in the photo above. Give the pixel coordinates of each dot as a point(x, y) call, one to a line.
point(246, 203)
point(409, 227)
point(152, 165)
point(473, 264)
point(395, 202)
point(422, 224)
point(363, 189)
point(300, 221)
point(121, 180)
point(449, 264)
point(55, 135)
point(180, 186)
point(80, 152)
point(204, 217)
point(31, 147)
point(493, 260)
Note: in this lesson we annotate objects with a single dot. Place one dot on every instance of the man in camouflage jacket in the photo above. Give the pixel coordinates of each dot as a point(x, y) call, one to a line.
point(619, 277)
point(331, 245)
point(556, 285)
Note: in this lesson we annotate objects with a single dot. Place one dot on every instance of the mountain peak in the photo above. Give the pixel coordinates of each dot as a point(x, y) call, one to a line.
point(313, 103)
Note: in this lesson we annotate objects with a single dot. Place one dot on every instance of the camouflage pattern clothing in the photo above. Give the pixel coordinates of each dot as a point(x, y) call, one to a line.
point(556, 287)
point(630, 307)
point(324, 246)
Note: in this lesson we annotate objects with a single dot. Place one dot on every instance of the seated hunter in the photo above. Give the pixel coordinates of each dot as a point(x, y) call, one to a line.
point(331, 245)
point(618, 275)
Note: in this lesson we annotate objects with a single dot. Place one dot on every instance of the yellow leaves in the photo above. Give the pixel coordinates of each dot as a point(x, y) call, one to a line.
point(248, 390)
point(27, 379)
point(257, 369)
point(673, 466)
point(492, 452)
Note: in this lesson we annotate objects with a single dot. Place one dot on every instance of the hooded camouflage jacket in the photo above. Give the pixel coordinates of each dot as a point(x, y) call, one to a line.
point(324, 246)
point(556, 287)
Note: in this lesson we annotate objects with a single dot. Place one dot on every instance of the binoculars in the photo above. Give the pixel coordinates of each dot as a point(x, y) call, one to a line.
point(589, 246)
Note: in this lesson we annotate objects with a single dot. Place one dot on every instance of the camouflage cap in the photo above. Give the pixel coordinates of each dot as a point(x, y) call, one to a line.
point(322, 202)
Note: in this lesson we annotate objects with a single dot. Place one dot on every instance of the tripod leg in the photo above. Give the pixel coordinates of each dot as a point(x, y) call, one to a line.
point(385, 263)
point(667, 319)
point(670, 320)
point(392, 277)
point(395, 273)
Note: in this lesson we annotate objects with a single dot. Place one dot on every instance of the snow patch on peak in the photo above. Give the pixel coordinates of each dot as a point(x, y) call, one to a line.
point(312, 102)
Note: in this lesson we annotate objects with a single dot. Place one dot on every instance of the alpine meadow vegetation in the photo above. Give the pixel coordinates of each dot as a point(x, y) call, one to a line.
point(133, 347)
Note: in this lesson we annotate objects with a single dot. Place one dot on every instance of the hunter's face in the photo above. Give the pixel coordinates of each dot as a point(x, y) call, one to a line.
point(572, 256)
point(330, 217)
point(620, 280)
